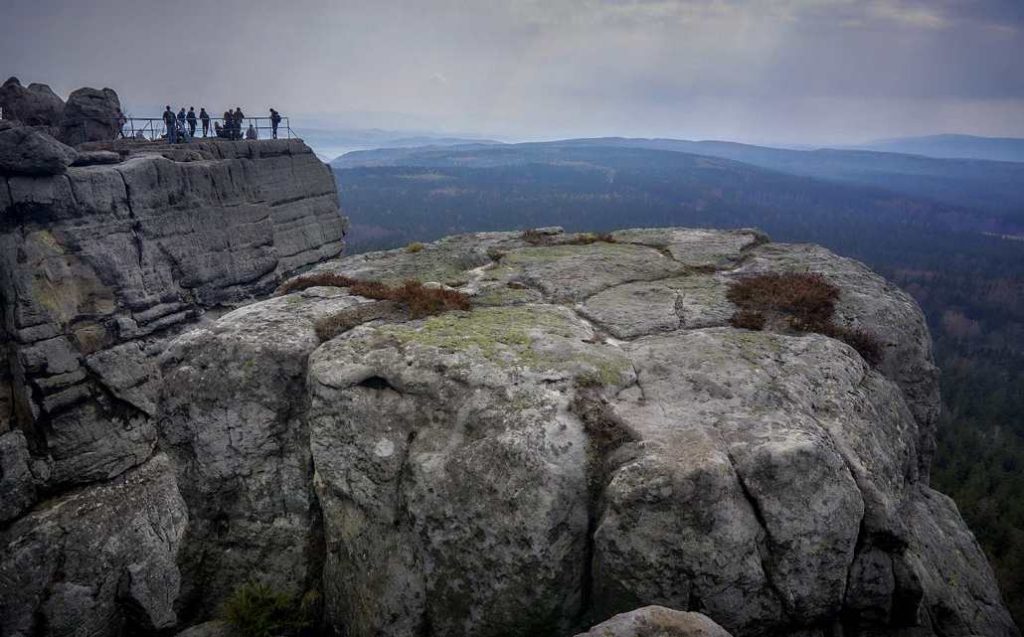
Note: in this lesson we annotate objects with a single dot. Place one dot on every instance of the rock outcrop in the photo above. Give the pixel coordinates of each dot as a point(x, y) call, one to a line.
point(100, 267)
point(657, 621)
point(36, 105)
point(90, 115)
point(592, 438)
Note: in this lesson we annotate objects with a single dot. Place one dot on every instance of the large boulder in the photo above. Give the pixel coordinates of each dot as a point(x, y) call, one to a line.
point(90, 115)
point(101, 561)
point(657, 621)
point(36, 105)
point(27, 151)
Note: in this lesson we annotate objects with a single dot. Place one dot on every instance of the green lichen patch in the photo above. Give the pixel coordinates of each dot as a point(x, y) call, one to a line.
point(536, 337)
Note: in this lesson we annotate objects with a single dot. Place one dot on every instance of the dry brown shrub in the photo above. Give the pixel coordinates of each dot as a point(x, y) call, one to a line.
point(422, 301)
point(306, 281)
point(805, 302)
point(417, 299)
point(533, 237)
point(748, 320)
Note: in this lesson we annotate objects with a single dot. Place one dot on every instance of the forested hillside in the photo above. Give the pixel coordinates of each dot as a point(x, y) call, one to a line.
point(953, 258)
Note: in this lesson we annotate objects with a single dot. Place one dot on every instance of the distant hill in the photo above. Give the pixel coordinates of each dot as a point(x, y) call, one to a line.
point(954, 146)
point(984, 186)
point(421, 194)
point(330, 143)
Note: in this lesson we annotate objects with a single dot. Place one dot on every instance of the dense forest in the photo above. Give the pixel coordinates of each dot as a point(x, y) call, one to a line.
point(967, 276)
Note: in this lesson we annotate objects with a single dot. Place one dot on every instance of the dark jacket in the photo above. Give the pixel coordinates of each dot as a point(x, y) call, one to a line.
point(191, 117)
point(203, 115)
point(168, 117)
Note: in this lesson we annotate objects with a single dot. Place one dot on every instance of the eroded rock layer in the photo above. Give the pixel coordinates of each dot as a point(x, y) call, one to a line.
point(99, 268)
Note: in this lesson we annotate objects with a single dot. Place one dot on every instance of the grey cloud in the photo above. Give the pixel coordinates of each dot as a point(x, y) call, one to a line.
point(799, 70)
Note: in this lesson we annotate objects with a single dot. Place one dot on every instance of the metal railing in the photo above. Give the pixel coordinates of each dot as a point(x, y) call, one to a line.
point(154, 128)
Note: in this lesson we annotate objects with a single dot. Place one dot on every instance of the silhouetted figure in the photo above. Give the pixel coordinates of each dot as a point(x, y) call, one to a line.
point(239, 120)
point(275, 119)
point(181, 123)
point(121, 121)
point(229, 125)
point(251, 133)
point(191, 119)
point(204, 117)
point(172, 127)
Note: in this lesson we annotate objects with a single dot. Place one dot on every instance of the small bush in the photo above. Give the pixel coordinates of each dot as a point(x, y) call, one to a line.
point(423, 301)
point(533, 237)
point(414, 247)
point(869, 348)
point(748, 320)
point(257, 610)
point(807, 299)
point(804, 302)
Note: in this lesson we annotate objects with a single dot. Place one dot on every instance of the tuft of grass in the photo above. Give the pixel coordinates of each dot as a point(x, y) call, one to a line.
point(255, 609)
point(804, 302)
point(414, 247)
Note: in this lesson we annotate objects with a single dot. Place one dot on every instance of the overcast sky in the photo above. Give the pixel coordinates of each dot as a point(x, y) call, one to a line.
point(797, 71)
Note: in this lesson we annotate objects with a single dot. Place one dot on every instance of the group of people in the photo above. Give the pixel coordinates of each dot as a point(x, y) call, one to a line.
point(182, 126)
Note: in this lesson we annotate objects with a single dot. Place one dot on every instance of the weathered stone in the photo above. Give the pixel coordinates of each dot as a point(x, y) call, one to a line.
point(446, 422)
point(233, 417)
point(104, 264)
point(26, 151)
point(90, 115)
point(657, 621)
point(36, 105)
point(207, 629)
point(100, 561)
point(96, 157)
point(17, 484)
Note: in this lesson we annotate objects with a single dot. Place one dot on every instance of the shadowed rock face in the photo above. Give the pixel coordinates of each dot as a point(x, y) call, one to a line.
point(100, 267)
point(592, 438)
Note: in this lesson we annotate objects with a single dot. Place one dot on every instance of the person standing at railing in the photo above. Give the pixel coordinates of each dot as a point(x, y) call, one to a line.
point(229, 124)
point(121, 121)
point(275, 119)
point(172, 127)
point(191, 119)
point(239, 120)
point(181, 123)
point(204, 117)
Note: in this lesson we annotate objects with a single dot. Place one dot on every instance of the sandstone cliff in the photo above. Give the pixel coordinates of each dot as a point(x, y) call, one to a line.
point(101, 265)
point(591, 438)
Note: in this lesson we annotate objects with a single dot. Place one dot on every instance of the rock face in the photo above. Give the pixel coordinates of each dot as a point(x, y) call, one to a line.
point(100, 267)
point(36, 105)
point(90, 115)
point(592, 438)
